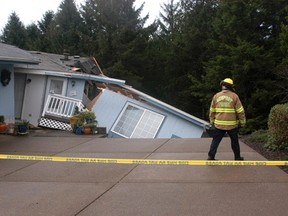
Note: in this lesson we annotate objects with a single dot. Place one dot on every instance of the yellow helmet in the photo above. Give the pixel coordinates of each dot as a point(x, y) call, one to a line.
point(228, 81)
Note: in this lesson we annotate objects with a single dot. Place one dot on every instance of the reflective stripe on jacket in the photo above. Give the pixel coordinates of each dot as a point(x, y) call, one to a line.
point(226, 110)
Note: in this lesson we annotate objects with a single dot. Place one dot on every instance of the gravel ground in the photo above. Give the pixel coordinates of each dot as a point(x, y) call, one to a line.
point(269, 155)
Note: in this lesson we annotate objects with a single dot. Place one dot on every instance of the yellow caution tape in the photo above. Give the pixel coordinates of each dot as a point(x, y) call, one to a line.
point(145, 161)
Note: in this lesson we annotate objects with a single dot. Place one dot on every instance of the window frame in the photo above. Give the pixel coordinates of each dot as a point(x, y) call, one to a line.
point(145, 111)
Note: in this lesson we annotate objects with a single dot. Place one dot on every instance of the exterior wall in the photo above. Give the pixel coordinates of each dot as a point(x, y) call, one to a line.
point(110, 104)
point(7, 103)
point(176, 127)
point(75, 88)
point(107, 108)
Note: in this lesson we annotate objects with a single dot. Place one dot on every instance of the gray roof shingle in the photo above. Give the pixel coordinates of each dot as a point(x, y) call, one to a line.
point(12, 54)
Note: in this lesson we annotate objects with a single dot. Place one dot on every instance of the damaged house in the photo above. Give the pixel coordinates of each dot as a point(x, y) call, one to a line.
point(45, 88)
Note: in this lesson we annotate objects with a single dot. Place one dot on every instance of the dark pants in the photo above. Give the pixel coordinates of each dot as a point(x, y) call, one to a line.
point(217, 137)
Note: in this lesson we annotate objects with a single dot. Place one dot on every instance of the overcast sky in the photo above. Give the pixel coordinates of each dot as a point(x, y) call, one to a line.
point(30, 11)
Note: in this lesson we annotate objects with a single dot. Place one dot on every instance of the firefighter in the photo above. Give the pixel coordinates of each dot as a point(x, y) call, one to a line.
point(226, 116)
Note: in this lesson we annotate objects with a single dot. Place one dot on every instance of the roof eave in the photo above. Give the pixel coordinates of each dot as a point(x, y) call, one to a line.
point(73, 75)
point(11, 60)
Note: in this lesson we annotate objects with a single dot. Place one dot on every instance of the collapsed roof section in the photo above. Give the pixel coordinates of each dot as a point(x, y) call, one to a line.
point(64, 63)
point(89, 65)
point(76, 67)
point(130, 92)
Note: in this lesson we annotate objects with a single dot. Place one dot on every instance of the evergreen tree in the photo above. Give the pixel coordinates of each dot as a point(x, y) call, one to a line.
point(243, 45)
point(91, 27)
point(14, 32)
point(46, 26)
point(65, 31)
point(169, 19)
point(282, 69)
point(166, 42)
point(196, 31)
point(121, 37)
point(185, 29)
point(45, 22)
point(33, 37)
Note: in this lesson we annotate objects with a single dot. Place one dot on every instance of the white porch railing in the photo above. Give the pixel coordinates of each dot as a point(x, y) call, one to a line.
point(61, 106)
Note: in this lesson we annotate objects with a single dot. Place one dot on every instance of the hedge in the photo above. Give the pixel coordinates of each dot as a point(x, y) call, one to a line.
point(278, 127)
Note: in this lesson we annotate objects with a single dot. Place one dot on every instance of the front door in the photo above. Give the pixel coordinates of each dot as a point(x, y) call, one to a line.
point(33, 98)
point(19, 89)
point(56, 85)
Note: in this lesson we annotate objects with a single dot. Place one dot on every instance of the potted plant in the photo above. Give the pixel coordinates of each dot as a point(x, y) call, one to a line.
point(88, 117)
point(23, 127)
point(3, 125)
point(86, 130)
point(85, 122)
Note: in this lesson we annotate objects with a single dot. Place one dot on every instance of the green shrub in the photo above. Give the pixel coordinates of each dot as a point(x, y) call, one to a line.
point(85, 117)
point(278, 127)
point(254, 124)
point(259, 136)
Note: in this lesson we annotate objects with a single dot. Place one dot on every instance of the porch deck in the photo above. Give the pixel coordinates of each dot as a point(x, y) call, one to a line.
point(57, 111)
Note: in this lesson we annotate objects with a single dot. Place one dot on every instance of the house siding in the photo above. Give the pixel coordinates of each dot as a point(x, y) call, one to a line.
point(75, 91)
point(176, 127)
point(108, 107)
point(110, 104)
point(7, 102)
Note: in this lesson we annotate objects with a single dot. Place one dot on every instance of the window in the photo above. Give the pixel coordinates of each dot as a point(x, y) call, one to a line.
point(137, 122)
point(56, 86)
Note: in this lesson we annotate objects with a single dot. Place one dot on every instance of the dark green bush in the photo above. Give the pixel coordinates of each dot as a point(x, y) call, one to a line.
point(260, 136)
point(278, 127)
point(254, 124)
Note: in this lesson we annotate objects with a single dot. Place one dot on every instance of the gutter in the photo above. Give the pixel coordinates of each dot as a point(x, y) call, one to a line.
point(10, 60)
point(102, 79)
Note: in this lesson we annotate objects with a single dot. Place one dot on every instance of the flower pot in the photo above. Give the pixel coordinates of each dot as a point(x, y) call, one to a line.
point(3, 127)
point(11, 128)
point(78, 130)
point(22, 129)
point(87, 130)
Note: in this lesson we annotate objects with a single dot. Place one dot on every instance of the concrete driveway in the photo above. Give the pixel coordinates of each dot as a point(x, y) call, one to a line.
point(67, 188)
